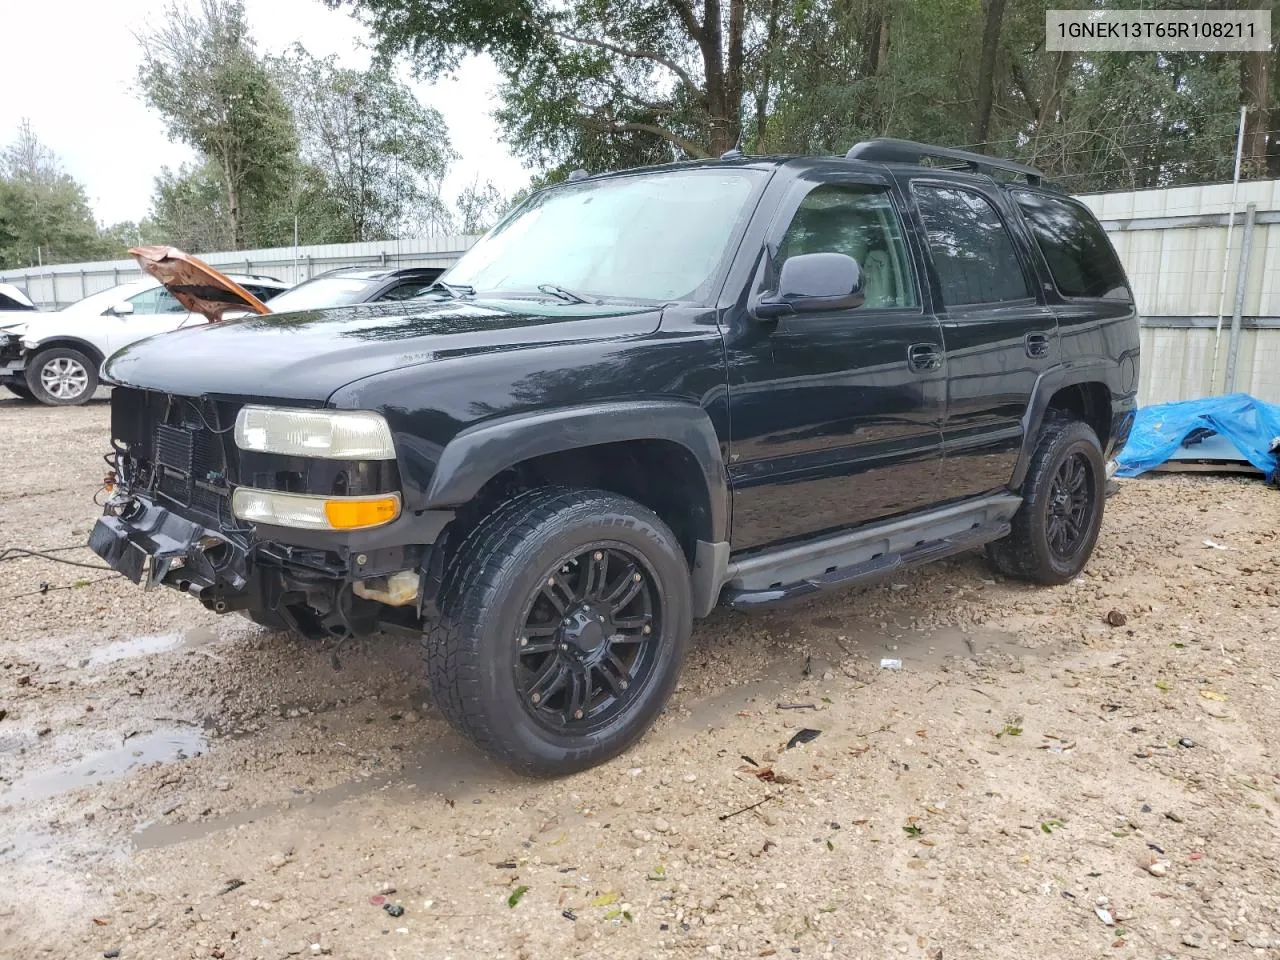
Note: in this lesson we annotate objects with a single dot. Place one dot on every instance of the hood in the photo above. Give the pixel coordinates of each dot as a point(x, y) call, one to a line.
point(195, 284)
point(308, 355)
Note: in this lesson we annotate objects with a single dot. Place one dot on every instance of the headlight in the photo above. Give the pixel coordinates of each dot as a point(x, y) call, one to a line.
point(331, 434)
point(314, 513)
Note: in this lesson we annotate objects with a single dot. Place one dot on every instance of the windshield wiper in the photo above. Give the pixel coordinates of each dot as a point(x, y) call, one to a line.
point(568, 296)
point(456, 291)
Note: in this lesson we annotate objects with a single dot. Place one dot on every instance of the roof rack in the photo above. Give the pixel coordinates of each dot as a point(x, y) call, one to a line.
point(888, 150)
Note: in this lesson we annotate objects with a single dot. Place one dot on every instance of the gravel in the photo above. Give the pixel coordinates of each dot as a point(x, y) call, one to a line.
point(231, 794)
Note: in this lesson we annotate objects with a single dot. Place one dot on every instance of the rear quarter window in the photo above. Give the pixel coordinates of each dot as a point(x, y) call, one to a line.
point(1075, 246)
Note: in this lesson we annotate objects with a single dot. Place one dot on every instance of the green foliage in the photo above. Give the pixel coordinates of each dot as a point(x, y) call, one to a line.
point(377, 154)
point(201, 72)
point(44, 213)
point(479, 207)
point(605, 84)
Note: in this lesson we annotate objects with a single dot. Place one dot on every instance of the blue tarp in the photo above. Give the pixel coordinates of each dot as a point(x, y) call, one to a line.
point(1251, 425)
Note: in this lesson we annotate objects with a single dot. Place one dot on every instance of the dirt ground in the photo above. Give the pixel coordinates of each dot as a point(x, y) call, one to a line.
point(1084, 771)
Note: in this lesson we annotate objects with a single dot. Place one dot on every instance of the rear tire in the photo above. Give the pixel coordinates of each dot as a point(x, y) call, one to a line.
point(1056, 528)
point(21, 390)
point(62, 377)
point(565, 619)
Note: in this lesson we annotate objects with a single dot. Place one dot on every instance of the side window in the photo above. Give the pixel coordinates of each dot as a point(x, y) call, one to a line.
point(156, 300)
point(971, 248)
point(262, 293)
point(406, 290)
point(859, 221)
point(148, 301)
point(1075, 247)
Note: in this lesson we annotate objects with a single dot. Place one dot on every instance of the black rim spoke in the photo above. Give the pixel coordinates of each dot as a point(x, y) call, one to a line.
point(1071, 496)
point(558, 592)
point(597, 574)
point(549, 681)
point(632, 623)
point(614, 674)
point(590, 638)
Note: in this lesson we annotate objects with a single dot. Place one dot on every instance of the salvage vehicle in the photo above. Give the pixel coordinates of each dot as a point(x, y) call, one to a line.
point(54, 357)
point(641, 395)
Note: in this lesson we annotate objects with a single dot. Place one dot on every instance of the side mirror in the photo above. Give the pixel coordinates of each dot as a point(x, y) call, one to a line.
point(124, 309)
point(810, 282)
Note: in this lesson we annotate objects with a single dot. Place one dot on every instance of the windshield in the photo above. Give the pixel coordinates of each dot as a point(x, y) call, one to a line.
point(650, 237)
point(321, 292)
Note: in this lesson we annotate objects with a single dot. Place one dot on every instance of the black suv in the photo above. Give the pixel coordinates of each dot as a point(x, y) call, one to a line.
point(641, 395)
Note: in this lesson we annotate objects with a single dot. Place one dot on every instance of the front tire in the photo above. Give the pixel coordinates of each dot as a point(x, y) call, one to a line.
point(1056, 528)
point(565, 619)
point(62, 377)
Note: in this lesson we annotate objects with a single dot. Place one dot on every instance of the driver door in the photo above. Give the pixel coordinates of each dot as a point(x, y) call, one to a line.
point(836, 415)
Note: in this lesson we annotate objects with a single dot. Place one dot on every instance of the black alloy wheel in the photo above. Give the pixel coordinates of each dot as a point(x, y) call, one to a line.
point(586, 645)
point(1071, 497)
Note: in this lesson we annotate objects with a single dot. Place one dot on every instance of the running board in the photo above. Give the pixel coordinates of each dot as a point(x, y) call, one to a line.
point(863, 556)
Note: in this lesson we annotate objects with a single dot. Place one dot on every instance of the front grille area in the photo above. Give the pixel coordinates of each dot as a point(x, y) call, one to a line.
point(174, 449)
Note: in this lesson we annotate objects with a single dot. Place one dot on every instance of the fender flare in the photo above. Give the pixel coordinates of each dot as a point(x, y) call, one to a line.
point(482, 451)
point(1089, 370)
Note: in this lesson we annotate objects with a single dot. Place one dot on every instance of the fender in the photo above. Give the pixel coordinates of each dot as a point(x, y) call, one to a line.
point(480, 452)
point(75, 343)
point(1086, 370)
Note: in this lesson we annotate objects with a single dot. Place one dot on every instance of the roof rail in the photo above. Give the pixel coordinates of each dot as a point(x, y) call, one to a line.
point(888, 150)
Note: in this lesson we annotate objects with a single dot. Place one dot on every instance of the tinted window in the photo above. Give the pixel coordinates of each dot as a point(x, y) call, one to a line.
point(9, 303)
point(860, 222)
point(1075, 247)
point(971, 248)
point(406, 290)
point(262, 293)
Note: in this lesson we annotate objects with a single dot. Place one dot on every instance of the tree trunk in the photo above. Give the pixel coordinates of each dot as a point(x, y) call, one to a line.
point(987, 71)
point(1255, 90)
point(766, 72)
point(712, 45)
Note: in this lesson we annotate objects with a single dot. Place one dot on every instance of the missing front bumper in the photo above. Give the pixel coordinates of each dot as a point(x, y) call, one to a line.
point(151, 545)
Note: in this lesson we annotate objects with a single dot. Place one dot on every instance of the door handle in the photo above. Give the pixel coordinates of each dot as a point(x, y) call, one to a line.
point(1037, 345)
point(922, 357)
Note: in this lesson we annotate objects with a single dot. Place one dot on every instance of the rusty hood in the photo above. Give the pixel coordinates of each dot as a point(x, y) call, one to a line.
point(195, 284)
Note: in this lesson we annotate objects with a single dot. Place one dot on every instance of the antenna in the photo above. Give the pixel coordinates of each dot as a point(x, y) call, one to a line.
point(736, 153)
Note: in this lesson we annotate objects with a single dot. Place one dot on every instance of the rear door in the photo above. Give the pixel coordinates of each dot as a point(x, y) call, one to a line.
point(836, 415)
point(998, 332)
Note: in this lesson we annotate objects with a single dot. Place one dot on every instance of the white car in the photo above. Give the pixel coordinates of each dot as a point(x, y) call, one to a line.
point(54, 357)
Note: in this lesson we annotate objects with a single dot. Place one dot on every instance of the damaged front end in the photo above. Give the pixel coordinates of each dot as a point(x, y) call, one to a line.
point(318, 544)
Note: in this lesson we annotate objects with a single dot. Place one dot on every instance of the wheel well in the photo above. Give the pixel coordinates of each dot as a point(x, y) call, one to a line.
point(1089, 403)
point(88, 349)
point(661, 474)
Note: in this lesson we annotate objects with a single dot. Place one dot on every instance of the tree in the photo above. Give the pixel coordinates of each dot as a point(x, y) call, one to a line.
point(381, 153)
point(44, 212)
point(188, 209)
point(593, 79)
point(202, 73)
point(479, 207)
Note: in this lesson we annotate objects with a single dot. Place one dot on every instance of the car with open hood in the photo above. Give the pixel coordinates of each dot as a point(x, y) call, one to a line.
point(54, 357)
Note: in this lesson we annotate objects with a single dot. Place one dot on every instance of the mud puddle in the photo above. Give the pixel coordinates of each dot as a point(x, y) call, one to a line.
point(151, 644)
point(164, 745)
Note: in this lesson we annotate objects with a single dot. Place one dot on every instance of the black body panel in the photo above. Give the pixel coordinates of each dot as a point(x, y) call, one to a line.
point(802, 426)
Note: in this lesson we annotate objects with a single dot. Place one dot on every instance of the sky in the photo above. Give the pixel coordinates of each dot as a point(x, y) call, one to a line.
point(70, 67)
